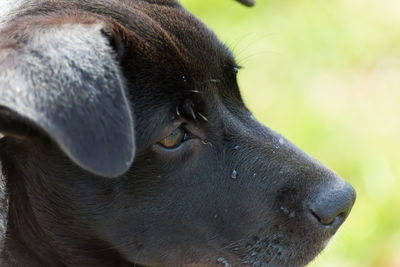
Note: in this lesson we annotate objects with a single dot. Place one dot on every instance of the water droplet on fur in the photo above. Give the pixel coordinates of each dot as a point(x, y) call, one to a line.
point(281, 141)
point(284, 210)
point(224, 262)
point(234, 174)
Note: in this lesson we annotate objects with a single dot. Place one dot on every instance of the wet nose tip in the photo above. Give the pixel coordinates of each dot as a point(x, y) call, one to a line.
point(331, 207)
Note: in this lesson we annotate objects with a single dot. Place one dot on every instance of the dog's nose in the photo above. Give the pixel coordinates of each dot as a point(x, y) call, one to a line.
point(331, 206)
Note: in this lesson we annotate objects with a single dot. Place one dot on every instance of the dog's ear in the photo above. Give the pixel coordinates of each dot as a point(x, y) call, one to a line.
point(65, 79)
point(247, 2)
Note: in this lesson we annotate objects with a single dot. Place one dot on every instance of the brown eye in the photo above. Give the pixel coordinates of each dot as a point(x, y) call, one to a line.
point(175, 139)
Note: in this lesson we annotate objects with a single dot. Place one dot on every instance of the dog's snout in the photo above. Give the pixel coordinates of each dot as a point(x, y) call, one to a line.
point(330, 207)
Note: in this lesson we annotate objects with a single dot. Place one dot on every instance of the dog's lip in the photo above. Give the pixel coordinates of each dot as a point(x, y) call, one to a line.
point(258, 255)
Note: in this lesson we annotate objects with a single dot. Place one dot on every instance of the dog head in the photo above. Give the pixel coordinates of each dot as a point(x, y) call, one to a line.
point(127, 143)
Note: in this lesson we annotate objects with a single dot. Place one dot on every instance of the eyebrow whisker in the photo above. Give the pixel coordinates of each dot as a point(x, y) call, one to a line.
point(202, 116)
point(193, 114)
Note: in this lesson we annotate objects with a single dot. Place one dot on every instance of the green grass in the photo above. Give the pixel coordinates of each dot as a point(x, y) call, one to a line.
point(326, 74)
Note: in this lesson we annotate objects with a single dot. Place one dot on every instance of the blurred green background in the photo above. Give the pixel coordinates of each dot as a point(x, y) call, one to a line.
point(326, 74)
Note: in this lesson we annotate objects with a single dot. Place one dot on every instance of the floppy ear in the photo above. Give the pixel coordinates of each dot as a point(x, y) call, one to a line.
point(64, 78)
point(247, 2)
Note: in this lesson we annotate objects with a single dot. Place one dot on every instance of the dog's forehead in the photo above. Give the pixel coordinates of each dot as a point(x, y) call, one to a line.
point(175, 35)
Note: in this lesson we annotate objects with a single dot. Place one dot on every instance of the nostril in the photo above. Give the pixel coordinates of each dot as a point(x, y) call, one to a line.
point(315, 215)
point(327, 219)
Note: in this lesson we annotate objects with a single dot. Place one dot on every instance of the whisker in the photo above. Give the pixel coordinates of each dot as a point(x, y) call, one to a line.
point(193, 114)
point(235, 243)
point(121, 245)
point(206, 143)
point(137, 258)
point(202, 116)
point(211, 81)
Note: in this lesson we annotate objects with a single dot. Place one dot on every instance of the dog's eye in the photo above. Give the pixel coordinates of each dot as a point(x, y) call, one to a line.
point(175, 139)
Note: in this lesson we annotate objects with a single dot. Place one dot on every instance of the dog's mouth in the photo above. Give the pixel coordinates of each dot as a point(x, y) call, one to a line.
point(257, 251)
point(275, 250)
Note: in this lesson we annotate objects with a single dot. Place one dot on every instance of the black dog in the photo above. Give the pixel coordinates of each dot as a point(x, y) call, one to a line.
point(127, 143)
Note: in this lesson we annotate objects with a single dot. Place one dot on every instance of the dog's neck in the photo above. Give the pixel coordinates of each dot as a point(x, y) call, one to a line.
point(33, 236)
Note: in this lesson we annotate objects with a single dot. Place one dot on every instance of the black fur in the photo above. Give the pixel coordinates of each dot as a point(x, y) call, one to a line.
point(88, 89)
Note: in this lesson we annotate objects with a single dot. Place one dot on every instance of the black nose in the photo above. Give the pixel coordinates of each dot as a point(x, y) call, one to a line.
point(331, 206)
